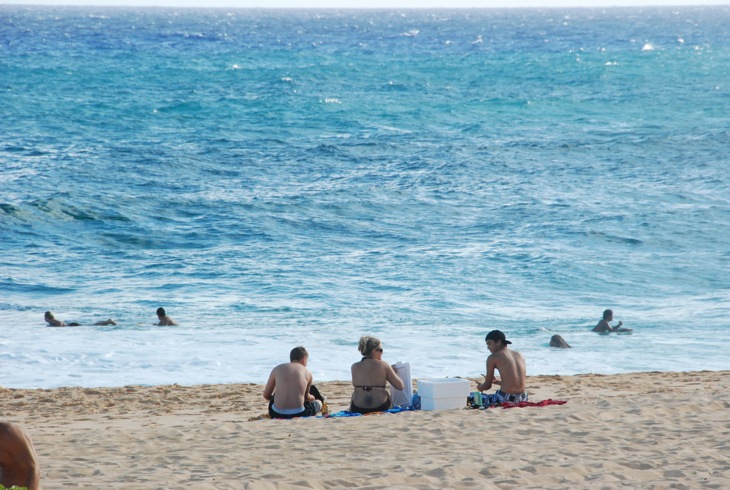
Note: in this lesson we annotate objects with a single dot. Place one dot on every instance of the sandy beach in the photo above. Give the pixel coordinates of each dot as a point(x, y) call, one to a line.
point(641, 430)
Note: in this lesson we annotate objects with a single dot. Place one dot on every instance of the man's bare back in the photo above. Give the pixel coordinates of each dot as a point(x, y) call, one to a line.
point(164, 320)
point(509, 363)
point(18, 460)
point(291, 383)
point(511, 367)
point(288, 388)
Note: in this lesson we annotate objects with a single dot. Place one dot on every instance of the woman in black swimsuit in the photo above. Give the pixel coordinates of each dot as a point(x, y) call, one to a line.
point(369, 377)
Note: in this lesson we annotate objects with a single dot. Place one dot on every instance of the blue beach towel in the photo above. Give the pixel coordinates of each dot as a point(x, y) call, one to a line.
point(347, 413)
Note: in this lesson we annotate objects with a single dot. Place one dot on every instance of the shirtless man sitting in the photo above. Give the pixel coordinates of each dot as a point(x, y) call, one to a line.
point(512, 371)
point(18, 461)
point(288, 388)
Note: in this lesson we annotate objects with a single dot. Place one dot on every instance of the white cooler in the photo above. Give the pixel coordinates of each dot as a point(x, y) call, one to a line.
point(443, 393)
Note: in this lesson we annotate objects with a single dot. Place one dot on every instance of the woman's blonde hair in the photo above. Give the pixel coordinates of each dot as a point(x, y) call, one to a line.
point(367, 345)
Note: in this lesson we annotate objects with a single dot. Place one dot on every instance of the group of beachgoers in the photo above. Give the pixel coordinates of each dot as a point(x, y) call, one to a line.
point(603, 326)
point(290, 392)
point(163, 320)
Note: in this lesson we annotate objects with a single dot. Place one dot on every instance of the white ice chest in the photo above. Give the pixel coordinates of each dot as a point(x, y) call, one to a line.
point(443, 393)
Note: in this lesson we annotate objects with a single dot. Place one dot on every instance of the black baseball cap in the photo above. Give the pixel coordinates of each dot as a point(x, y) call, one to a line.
point(496, 335)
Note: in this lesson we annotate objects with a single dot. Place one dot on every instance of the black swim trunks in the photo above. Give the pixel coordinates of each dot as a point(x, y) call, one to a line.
point(500, 397)
point(310, 409)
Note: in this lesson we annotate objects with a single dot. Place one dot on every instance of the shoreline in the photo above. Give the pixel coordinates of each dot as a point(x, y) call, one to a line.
point(654, 429)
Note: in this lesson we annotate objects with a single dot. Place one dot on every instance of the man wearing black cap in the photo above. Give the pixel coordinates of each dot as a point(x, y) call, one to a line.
point(512, 371)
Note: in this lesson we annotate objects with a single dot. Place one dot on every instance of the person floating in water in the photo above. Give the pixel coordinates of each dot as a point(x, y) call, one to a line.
point(51, 320)
point(559, 342)
point(603, 326)
point(165, 321)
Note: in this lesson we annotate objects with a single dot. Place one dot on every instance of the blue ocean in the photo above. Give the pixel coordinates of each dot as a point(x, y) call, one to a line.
point(275, 178)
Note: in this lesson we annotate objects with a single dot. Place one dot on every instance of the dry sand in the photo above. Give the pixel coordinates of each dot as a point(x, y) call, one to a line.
point(642, 430)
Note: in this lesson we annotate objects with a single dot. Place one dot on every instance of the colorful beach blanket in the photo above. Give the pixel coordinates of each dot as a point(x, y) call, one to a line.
point(347, 413)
